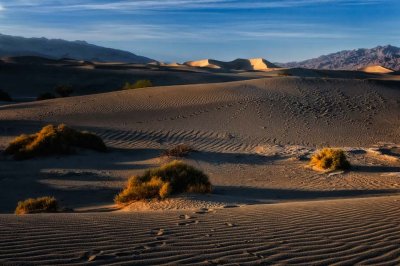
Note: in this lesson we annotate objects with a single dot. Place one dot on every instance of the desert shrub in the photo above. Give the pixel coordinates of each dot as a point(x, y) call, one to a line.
point(45, 96)
point(53, 140)
point(143, 83)
point(180, 150)
point(43, 204)
point(64, 91)
point(330, 159)
point(4, 96)
point(284, 74)
point(158, 183)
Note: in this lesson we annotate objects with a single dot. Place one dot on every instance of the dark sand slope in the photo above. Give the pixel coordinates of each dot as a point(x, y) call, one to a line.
point(340, 232)
point(235, 116)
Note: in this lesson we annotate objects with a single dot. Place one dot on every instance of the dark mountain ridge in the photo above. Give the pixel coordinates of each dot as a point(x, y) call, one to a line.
point(57, 49)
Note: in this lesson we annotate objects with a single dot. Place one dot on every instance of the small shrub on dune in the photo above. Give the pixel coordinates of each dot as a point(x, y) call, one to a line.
point(53, 140)
point(284, 74)
point(181, 150)
point(38, 205)
point(329, 159)
point(45, 96)
point(143, 83)
point(158, 183)
point(4, 96)
point(64, 91)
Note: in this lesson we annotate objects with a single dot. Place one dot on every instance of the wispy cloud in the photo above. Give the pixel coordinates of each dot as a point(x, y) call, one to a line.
point(1, 7)
point(208, 33)
point(137, 5)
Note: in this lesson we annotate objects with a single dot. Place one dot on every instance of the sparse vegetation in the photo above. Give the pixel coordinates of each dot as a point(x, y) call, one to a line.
point(158, 183)
point(64, 91)
point(284, 74)
point(143, 83)
point(329, 159)
point(4, 96)
point(45, 96)
point(38, 205)
point(180, 150)
point(53, 140)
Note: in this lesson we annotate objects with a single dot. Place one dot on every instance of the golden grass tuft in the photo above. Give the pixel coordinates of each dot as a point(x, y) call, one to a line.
point(143, 83)
point(158, 183)
point(329, 159)
point(53, 140)
point(180, 150)
point(38, 205)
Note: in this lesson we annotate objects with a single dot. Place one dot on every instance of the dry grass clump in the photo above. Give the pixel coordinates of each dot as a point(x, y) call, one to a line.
point(284, 74)
point(53, 140)
point(38, 205)
point(158, 183)
point(143, 83)
point(4, 96)
point(45, 96)
point(64, 91)
point(180, 150)
point(329, 159)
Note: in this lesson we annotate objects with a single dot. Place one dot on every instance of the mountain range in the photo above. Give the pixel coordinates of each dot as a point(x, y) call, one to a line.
point(387, 56)
point(57, 49)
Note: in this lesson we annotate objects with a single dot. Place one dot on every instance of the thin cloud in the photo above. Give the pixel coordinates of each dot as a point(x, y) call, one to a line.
point(171, 32)
point(138, 5)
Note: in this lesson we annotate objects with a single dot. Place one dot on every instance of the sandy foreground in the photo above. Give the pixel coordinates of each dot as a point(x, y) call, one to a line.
point(253, 138)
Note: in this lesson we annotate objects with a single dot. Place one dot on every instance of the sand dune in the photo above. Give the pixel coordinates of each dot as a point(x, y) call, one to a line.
point(360, 231)
point(236, 116)
point(253, 138)
point(376, 69)
point(238, 64)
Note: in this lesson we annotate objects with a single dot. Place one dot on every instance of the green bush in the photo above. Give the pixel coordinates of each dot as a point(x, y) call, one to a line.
point(53, 140)
point(4, 96)
point(143, 83)
point(172, 178)
point(329, 159)
point(45, 96)
point(38, 205)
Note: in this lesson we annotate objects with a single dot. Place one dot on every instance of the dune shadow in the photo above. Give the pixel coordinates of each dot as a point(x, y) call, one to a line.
point(271, 194)
point(231, 158)
point(68, 189)
point(375, 168)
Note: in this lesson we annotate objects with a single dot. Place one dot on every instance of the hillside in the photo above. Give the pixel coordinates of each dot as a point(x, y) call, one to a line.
point(386, 56)
point(57, 49)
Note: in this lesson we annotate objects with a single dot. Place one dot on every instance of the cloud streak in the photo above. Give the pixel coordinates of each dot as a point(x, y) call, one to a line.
point(154, 5)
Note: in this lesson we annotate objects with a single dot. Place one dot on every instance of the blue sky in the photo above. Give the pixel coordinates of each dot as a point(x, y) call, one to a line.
point(180, 30)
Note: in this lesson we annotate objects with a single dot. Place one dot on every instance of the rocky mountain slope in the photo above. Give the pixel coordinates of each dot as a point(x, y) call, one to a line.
point(387, 56)
point(57, 49)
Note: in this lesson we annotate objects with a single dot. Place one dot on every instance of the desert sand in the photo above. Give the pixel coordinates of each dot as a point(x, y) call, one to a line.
point(252, 137)
point(259, 64)
point(376, 69)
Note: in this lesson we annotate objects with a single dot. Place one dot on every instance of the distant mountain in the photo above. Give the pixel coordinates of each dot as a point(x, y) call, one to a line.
point(387, 56)
point(57, 49)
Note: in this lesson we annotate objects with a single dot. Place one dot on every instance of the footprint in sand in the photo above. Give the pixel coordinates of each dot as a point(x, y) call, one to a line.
point(186, 217)
point(186, 223)
point(230, 224)
point(158, 232)
point(96, 255)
